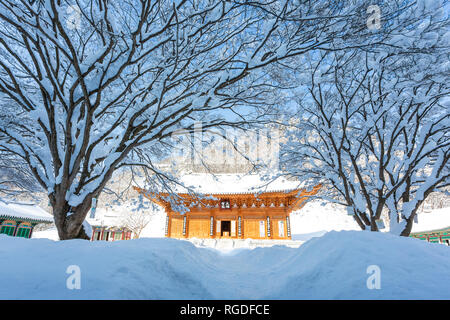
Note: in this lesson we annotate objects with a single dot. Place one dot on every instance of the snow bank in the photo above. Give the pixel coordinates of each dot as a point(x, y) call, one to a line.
point(330, 267)
point(227, 245)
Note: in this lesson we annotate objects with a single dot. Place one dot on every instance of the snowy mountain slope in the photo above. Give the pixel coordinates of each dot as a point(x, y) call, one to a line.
point(330, 267)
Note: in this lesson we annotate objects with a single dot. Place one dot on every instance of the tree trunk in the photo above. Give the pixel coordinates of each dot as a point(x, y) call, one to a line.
point(409, 224)
point(70, 227)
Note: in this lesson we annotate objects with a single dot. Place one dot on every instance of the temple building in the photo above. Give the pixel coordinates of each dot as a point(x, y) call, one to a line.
point(433, 226)
point(110, 233)
point(434, 236)
point(19, 220)
point(235, 215)
point(107, 225)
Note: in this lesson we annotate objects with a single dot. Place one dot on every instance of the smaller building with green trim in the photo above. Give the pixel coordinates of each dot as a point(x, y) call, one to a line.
point(433, 226)
point(434, 236)
point(110, 233)
point(19, 219)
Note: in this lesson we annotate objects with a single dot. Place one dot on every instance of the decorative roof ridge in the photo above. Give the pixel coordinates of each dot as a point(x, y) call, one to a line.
point(226, 193)
point(43, 219)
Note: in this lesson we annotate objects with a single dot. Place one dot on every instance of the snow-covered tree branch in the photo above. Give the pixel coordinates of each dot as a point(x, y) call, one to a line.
point(86, 84)
point(373, 127)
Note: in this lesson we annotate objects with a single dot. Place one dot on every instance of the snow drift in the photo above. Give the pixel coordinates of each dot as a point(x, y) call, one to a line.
point(333, 266)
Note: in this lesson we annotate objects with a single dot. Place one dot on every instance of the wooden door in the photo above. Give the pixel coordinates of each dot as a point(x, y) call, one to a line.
point(176, 227)
point(251, 228)
point(199, 228)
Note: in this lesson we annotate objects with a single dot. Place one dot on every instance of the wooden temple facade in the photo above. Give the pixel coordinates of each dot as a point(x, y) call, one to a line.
point(232, 215)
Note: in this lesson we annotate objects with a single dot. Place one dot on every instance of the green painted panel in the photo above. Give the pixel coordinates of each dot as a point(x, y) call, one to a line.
point(23, 232)
point(9, 230)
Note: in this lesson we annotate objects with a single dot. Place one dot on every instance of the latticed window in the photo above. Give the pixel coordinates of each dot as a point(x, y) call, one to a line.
point(23, 232)
point(7, 228)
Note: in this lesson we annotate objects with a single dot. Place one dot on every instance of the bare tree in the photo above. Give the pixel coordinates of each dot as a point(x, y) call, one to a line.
point(138, 217)
point(95, 85)
point(16, 180)
point(375, 131)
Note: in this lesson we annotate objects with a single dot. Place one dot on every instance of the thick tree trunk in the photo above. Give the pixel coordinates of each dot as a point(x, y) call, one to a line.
point(70, 227)
point(409, 224)
point(69, 220)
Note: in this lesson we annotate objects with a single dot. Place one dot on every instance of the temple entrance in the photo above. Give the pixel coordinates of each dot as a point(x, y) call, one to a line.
point(225, 228)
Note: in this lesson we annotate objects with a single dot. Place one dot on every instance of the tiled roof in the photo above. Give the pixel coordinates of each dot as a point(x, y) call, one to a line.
point(24, 211)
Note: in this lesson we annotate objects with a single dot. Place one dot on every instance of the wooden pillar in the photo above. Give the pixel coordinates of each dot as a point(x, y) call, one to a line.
point(166, 231)
point(211, 226)
point(184, 225)
point(239, 226)
point(218, 228)
point(169, 226)
point(16, 228)
point(31, 230)
point(288, 226)
point(268, 231)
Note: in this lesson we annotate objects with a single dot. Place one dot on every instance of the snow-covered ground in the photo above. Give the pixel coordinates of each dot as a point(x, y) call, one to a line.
point(227, 245)
point(333, 266)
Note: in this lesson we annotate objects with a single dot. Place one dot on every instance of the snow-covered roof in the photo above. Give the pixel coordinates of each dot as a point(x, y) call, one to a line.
point(434, 220)
point(235, 183)
point(24, 211)
point(114, 215)
point(107, 216)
